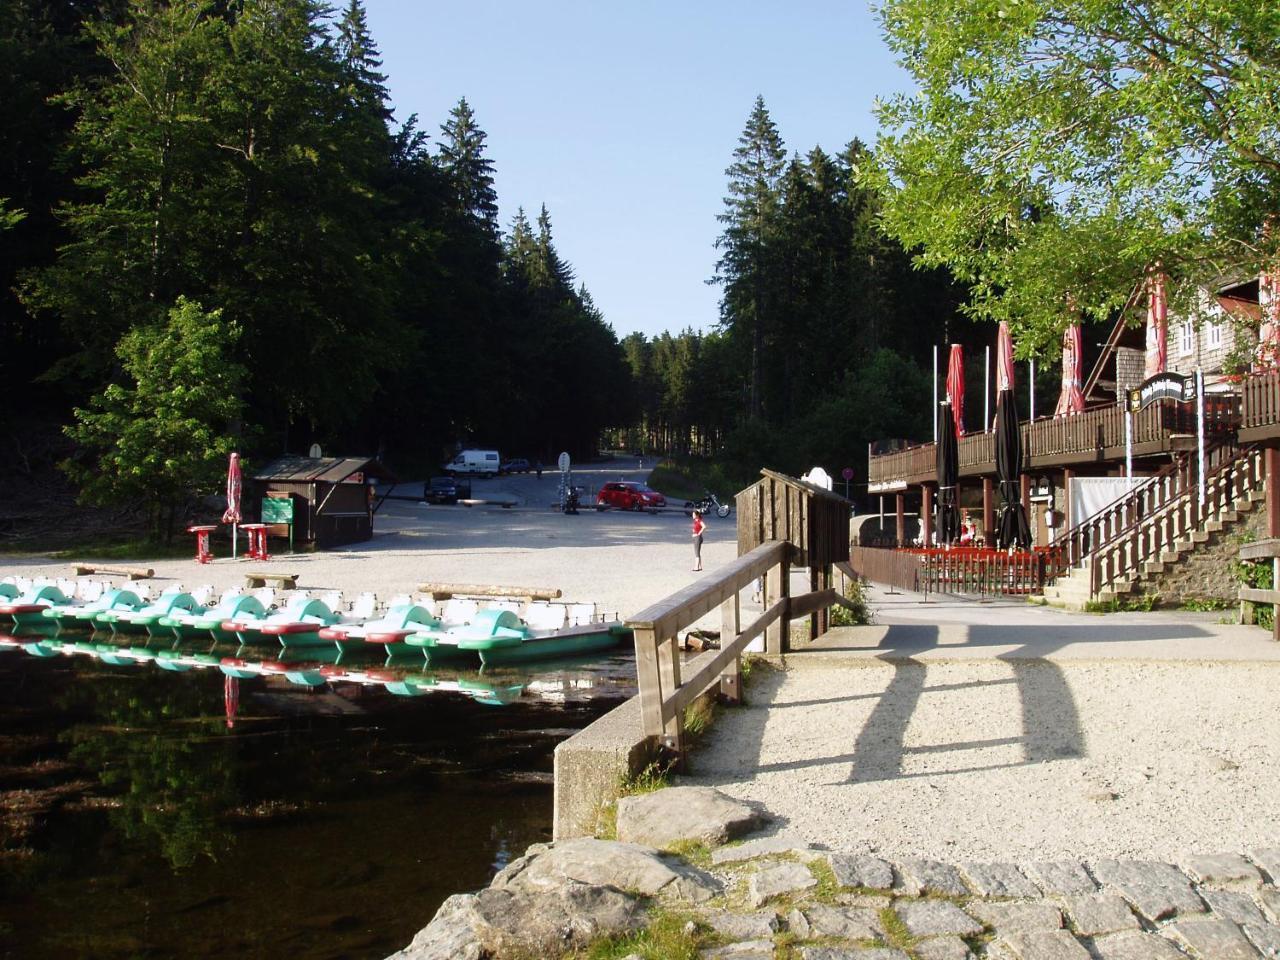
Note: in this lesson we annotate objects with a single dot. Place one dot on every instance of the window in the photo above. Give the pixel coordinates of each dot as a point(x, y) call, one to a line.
point(1186, 338)
point(1215, 335)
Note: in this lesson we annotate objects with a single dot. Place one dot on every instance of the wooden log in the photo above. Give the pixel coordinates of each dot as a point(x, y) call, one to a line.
point(443, 591)
point(133, 573)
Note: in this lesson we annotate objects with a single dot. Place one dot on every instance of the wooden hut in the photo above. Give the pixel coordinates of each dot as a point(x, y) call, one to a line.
point(331, 497)
point(778, 507)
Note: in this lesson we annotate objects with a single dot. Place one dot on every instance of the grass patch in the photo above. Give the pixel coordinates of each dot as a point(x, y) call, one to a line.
point(828, 886)
point(895, 930)
point(855, 591)
point(694, 851)
point(1140, 604)
point(138, 548)
point(668, 936)
point(698, 716)
point(1206, 604)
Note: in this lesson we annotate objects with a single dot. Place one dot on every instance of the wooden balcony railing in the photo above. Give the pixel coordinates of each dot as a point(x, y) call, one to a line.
point(1260, 406)
point(1091, 435)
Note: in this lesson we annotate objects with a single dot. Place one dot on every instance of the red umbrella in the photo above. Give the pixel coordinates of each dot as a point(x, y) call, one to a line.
point(1157, 324)
point(234, 484)
point(955, 387)
point(1071, 400)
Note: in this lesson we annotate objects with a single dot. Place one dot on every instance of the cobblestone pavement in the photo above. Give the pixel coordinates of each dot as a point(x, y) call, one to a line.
point(790, 900)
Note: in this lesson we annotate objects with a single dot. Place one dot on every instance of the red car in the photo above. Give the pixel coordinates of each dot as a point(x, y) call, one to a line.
point(629, 496)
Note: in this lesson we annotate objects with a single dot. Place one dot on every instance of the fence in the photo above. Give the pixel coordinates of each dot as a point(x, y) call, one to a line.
point(963, 570)
point(667, 686)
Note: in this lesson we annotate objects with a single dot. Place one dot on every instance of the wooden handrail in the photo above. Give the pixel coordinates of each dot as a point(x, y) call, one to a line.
point(664, 695)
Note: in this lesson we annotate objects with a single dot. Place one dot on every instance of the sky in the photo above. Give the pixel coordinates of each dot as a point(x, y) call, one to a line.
point(622, 119)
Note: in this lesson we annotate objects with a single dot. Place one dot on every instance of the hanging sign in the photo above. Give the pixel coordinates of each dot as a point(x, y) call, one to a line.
point(1163, 386)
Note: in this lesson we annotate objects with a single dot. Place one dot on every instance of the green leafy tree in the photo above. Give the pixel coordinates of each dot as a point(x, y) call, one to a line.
point(163, 436)
point(1058, 150)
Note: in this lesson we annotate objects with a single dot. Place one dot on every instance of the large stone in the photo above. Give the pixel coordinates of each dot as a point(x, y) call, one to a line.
point(858, 870)
point(1236, 907)
point(624, 866)
point(1099, 913)
point(1266, 938)
point(846, 923)
point(1060, 878)
point(473, 926)
point(1270, 898)
point(748, 950)
point(1222, 869)
point(1007, 917)
point(1268, 858)
point(764, 847)
point(931, 918)
point(701, 814)
point(777, 880)
point(1215, 939)
point(852, 953)
point(761, 925)
point(997, 880)
point(943, 948)
point(931, 876)
point(1156, 890)
point(1045, 945)
point(1133, 945)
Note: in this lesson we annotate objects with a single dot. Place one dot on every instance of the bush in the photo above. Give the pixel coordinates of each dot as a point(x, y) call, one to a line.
point(855, 591)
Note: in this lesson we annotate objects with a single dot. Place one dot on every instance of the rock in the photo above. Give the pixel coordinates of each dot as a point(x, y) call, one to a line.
point(1100, 913)
point(997, 880)
point(750, 950)
point(668, 816)
point(1156, 890)
point(1219, 939)
point(473, 926)
point(931, 918)
point(764, 847)
point(853, 870)
point(1060, 878)
point(1222, 869)
point(1270, 898)
point(943, 948)
point(744, 926)
point(1266, 938)
point(624, 866)
point(777, 880)
point(846, 923)
point(1269, 860)
point(798, 924)
point(852, 953)
point(1009, 917)
point(1136, 946)
point(1046, 945)
point(930, 876)
point(1236, 907)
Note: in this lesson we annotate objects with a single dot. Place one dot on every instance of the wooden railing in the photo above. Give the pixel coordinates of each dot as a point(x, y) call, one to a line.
point(667, 687)
point(886, 565)
point(1260, 401)
point(962, 570)
point(1148, 537)
point(1148, 496)
point(1068, 439)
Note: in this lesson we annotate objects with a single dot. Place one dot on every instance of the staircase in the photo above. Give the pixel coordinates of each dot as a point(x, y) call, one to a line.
point(1155, 525)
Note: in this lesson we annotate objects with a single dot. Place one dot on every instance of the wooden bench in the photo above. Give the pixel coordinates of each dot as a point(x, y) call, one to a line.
point(133, 573)
point(444, 591)
point(285, 581)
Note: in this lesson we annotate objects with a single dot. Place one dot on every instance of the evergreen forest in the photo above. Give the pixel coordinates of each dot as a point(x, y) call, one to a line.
point(215, 235)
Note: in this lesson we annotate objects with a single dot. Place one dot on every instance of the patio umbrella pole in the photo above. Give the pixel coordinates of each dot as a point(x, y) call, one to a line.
point(1200, 432)
point(935, 393)
point(986, 393)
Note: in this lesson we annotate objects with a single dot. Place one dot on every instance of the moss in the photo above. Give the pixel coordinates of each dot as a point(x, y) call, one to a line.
point(669, 935)
point(895, 930)
point(694, 851)
point(828, 886)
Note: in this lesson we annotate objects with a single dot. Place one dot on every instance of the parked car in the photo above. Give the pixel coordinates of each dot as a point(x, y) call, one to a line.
point(516, 465)
point(629, 496)
point(440, 490)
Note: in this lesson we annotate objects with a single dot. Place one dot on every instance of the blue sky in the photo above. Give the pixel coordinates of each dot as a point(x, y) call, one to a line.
point(623, 117)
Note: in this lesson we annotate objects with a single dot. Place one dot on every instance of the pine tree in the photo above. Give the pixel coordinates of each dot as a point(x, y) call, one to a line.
point(745, 267)
point(470, 172)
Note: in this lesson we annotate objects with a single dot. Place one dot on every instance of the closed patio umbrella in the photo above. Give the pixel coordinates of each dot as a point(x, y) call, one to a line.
point(1071, 400)
point(1011, 527)
point(955, 386)
point(234, 485)
point(1157, 324)
point(948, 466)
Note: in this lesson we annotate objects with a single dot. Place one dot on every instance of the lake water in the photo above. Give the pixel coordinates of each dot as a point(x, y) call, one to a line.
point(148, 814)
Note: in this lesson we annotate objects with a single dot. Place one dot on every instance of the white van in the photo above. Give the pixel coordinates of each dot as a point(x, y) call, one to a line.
point(485, 463)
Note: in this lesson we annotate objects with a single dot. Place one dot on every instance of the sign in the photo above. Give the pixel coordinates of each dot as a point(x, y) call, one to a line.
point(1163, 386)
point(277, 510)
point(847, 473)
point(314, 452)
point(563, 462)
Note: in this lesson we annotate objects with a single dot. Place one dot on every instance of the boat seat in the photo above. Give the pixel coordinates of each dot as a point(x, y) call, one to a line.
point(364, 607)
point(545, 616)
point(581, 614)
point(459, 611)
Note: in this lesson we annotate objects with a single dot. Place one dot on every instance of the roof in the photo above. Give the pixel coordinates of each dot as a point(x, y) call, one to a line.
point(324, 469)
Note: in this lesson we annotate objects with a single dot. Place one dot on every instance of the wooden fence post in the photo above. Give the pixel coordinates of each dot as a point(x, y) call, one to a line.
point(778, 588)
point(650, 682)
point(669, 672)
point(730, 627)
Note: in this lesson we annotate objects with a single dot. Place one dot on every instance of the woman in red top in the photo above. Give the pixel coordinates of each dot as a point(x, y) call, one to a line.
point(698, 528)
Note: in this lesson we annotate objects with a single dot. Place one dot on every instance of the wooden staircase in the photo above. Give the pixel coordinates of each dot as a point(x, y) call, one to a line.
point(1155, 525)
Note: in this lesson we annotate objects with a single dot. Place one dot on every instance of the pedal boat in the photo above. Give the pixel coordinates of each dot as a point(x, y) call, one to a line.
point(500, 637)
point(147, 619)
point(388, 631)
point(297, 625)
point(27, 610)
point(86, 612)
point(207, 621)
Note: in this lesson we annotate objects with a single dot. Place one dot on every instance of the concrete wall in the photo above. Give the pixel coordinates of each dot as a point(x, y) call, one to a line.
point(590, 766)
point(1206, 571)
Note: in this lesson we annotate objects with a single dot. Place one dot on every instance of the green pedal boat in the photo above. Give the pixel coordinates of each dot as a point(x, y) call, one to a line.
point(500, 637)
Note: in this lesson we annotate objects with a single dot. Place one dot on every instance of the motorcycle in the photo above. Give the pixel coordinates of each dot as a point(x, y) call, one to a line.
point(709, 502)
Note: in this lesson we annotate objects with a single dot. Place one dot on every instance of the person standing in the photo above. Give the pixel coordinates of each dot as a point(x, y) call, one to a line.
point(698, 528)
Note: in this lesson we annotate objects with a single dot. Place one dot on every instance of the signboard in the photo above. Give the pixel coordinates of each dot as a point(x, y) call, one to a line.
point(847, 473)
point(277, 510)
point(1163, 386)
point(314, 452)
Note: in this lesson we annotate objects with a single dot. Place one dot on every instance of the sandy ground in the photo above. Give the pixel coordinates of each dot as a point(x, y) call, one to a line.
point(961, 731)
point(622, 561)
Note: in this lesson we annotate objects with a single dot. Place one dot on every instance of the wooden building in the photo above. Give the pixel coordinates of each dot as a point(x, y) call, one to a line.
point(332, 500)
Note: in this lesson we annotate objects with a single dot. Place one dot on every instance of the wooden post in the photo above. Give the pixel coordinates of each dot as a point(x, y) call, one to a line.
point(814, 628)
point(1024, 494)
point(1271, 471)
point(777, 586)
point(926, 515)
point(669, 672)
point(988, 511)
point(730, 627)
point(900, 501)
point(824, 615)
point(649, 679)
point(1067, 520)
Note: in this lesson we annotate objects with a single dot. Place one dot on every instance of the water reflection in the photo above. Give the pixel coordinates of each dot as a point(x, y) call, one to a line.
point(325, 820)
